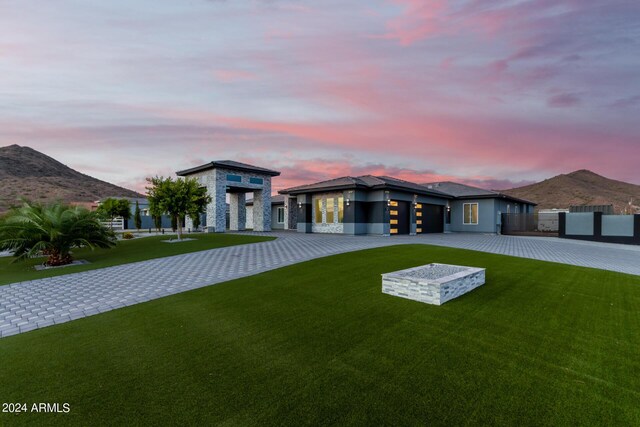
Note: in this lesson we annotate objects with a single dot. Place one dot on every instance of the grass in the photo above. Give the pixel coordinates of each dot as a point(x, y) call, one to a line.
point(318, 343)
point(125, 252)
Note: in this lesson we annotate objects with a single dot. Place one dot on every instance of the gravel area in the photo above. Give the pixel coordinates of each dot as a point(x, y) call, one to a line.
point(431, 271)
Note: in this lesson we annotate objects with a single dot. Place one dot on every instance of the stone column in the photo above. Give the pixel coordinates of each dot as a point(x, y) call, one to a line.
point(262, 210)
point(217, 209)
point(290, 213)
point(237, 211)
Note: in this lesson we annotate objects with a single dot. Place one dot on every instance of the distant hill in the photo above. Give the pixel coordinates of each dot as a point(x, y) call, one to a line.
point(581, 187)
point(25, 172)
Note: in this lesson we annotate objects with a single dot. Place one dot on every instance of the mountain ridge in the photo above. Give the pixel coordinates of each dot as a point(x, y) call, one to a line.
point(580, 187)
point(28, 173)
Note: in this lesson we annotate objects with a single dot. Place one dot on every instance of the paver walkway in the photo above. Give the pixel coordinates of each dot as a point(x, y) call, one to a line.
point(35, 304)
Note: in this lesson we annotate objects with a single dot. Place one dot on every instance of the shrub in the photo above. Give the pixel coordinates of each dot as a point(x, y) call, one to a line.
point(35, 229)
point(128, 235)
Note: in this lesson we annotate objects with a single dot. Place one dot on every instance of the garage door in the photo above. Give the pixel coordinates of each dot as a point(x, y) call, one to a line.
point(429, 218)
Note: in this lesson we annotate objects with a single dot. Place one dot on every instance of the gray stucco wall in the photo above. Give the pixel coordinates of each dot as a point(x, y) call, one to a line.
point(487, 216)
point(275, 225)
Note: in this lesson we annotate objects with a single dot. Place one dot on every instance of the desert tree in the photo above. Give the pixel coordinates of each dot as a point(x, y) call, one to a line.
point(178, 198)
point(137, 217)
point(111, 209)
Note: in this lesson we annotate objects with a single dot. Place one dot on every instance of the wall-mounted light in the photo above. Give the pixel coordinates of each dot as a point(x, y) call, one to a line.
point(348, 201)
point(415, 201)
point(299, 205)
point(388, 202)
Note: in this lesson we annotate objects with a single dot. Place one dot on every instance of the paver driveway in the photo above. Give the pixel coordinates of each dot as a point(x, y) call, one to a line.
point(30, 305)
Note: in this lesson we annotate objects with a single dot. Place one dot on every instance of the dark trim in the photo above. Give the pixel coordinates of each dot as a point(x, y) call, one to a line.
point(322, 189)
point(217, 165)
point(409, 190)
point(597, 224)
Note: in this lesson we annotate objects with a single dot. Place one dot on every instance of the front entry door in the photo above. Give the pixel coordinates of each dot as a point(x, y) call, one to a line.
point(399, 221)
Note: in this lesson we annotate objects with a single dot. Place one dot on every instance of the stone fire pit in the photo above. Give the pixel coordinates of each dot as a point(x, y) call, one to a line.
point(432, 283)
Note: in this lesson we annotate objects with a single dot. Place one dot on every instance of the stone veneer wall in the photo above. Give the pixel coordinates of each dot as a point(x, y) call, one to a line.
point(335, 227)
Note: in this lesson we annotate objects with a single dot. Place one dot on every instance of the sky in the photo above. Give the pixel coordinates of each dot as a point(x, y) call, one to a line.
point(494, 93)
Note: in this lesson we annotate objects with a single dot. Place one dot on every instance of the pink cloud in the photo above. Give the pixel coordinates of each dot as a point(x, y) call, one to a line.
point(231, 76)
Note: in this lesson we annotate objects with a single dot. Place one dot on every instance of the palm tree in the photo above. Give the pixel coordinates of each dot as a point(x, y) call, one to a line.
point(35, 229)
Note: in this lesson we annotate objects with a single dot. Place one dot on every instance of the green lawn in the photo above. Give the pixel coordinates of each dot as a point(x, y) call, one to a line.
point(318, 343)
point(126, 251)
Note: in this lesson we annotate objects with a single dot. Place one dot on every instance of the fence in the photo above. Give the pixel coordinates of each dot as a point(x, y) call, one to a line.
point(601, 228)
point(116, 224)
point(532, 224)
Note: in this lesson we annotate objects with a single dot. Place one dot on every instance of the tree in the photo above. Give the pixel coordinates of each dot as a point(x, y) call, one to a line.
point(156, 214)
point(195, 219)
point(111, 209)
point(53, 230)
point(177, 198)
point(137, 218)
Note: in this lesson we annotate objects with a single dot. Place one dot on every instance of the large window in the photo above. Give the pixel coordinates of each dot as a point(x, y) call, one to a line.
point(333, 210)
point(318, 213)
point(470, 214)
point(280, 218)
point(330, 209)
point(234, 178)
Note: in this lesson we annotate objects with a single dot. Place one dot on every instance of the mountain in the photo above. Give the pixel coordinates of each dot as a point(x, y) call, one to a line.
point(581, 187)
point(25, 172)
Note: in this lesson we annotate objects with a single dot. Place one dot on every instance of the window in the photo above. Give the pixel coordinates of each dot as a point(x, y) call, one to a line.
point(393, 203)
point(340, 209)
point(280, 218)
point(393, 213)
point(419, 213)
point(330, 210)
point(470, 214)
point(318, 215)
point(418, 230)
point(419, 222)
point(234, 178)
point(393, 221)
point(256, 181)
point(418, 205)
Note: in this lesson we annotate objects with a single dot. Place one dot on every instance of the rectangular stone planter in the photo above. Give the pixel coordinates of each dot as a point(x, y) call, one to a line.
point(433, 283)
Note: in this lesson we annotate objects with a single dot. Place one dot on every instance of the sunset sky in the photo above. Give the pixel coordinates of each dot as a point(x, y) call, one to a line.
point(495, 93)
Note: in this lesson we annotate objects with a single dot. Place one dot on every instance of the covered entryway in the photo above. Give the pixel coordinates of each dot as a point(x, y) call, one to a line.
point(224, 177)
point(429, 218)
point(399, 217)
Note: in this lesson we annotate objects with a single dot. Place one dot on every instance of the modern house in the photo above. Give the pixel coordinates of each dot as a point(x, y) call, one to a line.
point(382, 205)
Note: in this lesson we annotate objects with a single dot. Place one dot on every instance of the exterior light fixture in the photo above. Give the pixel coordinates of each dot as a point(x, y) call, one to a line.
point(415, 201)
point(348, 201)
point(299, 205)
